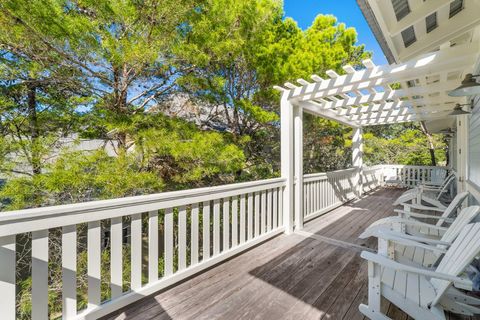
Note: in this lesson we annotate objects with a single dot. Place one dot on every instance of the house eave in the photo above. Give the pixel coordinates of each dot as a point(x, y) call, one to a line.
point(377, 32)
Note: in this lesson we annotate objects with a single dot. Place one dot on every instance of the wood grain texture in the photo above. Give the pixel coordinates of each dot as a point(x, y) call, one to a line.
point(289, 277)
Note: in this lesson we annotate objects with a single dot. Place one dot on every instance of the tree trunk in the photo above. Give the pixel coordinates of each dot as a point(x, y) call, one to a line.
point(431, 145)
point(34, 131)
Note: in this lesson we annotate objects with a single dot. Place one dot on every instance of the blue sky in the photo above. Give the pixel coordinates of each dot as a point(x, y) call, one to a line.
point(347, 11)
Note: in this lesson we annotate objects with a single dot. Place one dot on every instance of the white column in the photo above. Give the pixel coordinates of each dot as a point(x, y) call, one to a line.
point(462, 151)
point(357, 159)
point(286, 145)
point(298, 160)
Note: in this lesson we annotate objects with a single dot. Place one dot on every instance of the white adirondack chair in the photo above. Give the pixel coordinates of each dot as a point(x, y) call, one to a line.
point(421, 229)
point(427, 193)
point(417, 250)
point(419, 292)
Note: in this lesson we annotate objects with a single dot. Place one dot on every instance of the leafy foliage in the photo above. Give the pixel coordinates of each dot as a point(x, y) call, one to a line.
point(401, 144)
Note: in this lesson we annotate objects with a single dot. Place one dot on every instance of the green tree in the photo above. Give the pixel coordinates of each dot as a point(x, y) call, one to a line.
point(402, 144)
point(128, 50)
point(38, 97)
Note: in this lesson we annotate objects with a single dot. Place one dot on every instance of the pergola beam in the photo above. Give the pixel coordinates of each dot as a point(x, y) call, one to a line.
point(316, 109)
point(386, 106)
point(400, 112)
point(451, 59)
point(393, 94)
point(399, 119)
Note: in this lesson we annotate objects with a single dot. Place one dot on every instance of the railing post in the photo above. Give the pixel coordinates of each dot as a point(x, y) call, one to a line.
point(7, 277)
point(286, 145)
point(298, 160)
point(357, 159)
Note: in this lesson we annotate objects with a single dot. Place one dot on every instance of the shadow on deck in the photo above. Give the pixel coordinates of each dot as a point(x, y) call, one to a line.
point(313, 274)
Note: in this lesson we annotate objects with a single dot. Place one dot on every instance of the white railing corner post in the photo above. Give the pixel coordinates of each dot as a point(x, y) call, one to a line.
point(7, 277)
point(298, 164)
point(287, 166)
point(357, 159)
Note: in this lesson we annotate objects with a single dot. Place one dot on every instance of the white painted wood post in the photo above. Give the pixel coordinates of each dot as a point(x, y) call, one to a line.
point(462, 152)
point(298, 165)
point(286, 144)
point(40, 275)
point(357, 159)
point(7, 277)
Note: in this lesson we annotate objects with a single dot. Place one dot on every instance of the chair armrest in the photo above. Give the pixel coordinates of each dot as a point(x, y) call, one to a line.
point(417, 223)
point(396, 234)
point(386, 262)
point(410, 241)
point(391, 221)
point(433, 184)
point(420, 207)
point(425, 216)
point(427, 188)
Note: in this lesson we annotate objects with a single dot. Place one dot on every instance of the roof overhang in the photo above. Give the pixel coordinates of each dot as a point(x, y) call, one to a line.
point(453, 29)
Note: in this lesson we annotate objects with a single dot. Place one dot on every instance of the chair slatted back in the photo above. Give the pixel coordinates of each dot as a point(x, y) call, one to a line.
point(450, 179)
point(465, 216)
point(460, 254)
point(453, 207)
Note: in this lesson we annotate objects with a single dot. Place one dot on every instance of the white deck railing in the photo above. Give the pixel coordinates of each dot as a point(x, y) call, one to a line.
point(372, 178)
point(197, 228)
point(323, 192)
point(171, 236)
point(411, 176)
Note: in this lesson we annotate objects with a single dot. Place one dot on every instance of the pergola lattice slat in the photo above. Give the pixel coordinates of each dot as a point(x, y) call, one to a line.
point(365, 97)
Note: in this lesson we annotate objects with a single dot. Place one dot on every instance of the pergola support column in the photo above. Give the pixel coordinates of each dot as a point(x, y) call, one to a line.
point(298, 165)
point(287, 160)
point(357, 160)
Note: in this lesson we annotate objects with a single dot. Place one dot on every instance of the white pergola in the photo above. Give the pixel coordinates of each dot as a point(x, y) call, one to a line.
point(416, 90)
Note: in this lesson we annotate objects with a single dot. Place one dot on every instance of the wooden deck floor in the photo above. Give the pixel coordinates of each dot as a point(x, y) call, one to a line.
point(313, 274)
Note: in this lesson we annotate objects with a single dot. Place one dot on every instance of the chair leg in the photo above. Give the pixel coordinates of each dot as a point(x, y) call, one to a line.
point(371, 314)
point(372, 311)
point(374, 294)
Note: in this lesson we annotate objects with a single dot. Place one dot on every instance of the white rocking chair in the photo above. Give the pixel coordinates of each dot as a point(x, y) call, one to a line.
point(421, 229)
point(419, 292)
point(417, 250)
point(425, 193)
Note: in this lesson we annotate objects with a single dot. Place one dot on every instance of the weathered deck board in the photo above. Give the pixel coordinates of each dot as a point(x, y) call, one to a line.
point(289, 277)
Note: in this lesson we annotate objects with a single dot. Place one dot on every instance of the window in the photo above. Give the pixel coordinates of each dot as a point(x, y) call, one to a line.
point(408, 36)
point(401, 8)
point(455, 7)
point(431, 22)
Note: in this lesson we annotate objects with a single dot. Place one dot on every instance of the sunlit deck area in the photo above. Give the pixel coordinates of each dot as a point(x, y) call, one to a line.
point(315, 273)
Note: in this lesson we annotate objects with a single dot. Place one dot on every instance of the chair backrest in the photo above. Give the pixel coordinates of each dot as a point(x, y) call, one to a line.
point(466, 216)
point(460, 254)
point(438, 177)
point(450, 179)
point(453, 207)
